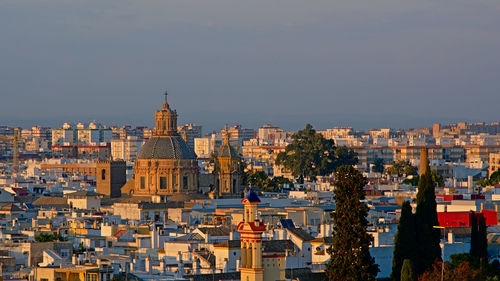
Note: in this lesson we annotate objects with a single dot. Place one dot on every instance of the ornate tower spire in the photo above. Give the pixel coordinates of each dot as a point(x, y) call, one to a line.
point(166, 120)
point(165, 105)
point(226, 134)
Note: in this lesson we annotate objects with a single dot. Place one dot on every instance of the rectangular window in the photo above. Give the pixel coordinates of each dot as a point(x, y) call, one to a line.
point(143, 182)
point(103, 174)
point(163, 182)
point(185, 182)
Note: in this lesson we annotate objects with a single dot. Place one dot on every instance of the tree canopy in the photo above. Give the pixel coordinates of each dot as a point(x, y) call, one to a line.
point(463, 267)
point(350, 258)
point(437, 179)
point(408, 271)
point(401, 168)
point(262, 180)
point(47, 237)
point(405, 242)
point(428, 237)
point(378, 165)
point(494, 179)
point(311, 155)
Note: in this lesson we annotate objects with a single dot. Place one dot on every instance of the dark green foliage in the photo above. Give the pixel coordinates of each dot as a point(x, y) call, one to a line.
point(428, 237)
point(257, 178)
point(457, 259)
point(494, 179)
point(47, 237)
point(401, 168)
point(378, 165)
point(408, 271)
point(350, 258)
point(262, 180)
point(405, 243)
point(311, 155)
point(413, 181)
point(482, 239)
point(437, 179)
point(478, 238)
point(464, 267)
point(474, 235)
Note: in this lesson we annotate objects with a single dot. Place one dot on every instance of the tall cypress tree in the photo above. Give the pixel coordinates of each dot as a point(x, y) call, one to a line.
point(474, 235)
point(405, 241)
point(408, 271)
point(350, 258)
point(428, 237)
point(482, 239)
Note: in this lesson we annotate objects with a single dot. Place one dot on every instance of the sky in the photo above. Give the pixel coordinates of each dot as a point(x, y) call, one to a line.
point(366, 64)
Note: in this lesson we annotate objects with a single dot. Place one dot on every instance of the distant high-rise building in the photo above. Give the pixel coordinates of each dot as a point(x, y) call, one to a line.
point(241, 134)
point(436, 128)
point(271, 134)
point(126, 149)
point(190, 132)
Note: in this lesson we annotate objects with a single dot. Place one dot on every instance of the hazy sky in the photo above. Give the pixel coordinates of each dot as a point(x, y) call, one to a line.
point(371, 63)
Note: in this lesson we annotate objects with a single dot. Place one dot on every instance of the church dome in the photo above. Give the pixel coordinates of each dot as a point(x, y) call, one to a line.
point(226, 150)
point(166, 147)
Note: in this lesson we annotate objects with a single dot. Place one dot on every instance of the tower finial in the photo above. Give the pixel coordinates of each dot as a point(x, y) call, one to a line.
point(226, 134)
point(165, 105)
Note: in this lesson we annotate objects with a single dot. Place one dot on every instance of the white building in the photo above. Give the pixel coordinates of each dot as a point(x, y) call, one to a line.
point(126, 149)
point(202, 147)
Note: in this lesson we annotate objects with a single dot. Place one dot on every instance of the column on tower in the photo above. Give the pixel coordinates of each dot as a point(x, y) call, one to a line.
point(257, 255)
point(243, 255)
point(250, 262)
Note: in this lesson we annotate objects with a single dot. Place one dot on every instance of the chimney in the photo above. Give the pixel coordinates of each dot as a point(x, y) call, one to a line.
point(196, 266)
point(424, 160)
point(238, 264)
point(163, 268)
point(147, 264)
point(180, 271)
point(451, 237)
point(470, 185)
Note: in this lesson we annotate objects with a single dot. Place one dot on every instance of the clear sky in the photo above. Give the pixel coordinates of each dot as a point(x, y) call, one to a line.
point(372, 63)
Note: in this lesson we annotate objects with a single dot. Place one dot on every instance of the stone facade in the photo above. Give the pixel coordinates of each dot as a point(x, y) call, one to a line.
point(166, 165)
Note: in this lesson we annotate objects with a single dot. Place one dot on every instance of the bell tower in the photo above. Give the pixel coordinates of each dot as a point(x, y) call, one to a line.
point(229, 173)
point(251, 229)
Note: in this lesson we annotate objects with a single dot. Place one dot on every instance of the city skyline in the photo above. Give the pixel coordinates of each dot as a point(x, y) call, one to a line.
point(384, 64)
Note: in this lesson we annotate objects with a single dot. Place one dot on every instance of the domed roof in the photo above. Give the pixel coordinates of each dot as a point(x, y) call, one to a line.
point(226, 150)
point(166, 147)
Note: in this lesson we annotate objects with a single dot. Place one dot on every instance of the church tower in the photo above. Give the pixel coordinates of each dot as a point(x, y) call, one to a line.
point(166, 165)
point(251, 230)
point(228, 176)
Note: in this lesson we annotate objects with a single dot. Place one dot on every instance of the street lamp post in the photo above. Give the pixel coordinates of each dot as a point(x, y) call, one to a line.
point(442, 250)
